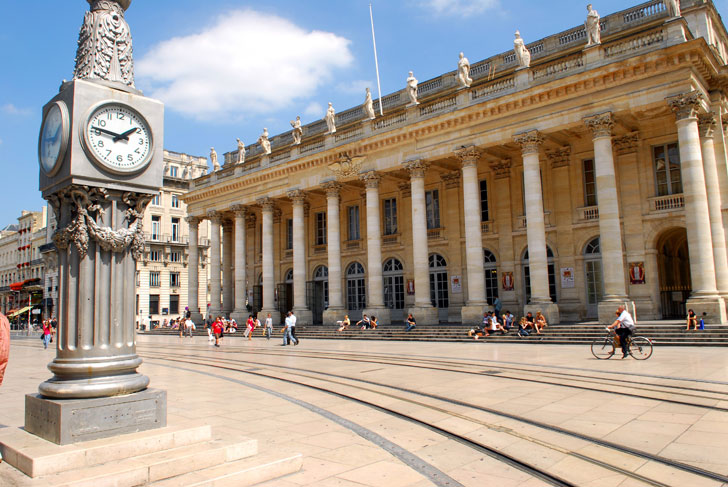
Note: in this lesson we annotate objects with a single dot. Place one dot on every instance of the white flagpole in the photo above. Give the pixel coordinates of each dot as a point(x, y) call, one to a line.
point(376, 61)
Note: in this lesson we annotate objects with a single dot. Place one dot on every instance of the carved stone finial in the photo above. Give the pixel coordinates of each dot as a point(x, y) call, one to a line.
point(371, 179)
point(332, 188)
point(560, 157)
point(501, 168)
point(601, 125)
point(468, 156)
point(297, 196)
point(266, 204)
point(686, 105)
point(627, 143)
point(417, 168)
point(105, 44)
point(530, 141)
point(707, 122)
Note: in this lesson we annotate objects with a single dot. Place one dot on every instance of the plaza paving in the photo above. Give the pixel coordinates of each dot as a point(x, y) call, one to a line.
point(671, 408)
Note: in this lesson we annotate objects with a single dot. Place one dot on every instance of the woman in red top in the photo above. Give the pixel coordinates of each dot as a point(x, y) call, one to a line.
point(46, 333)
point(217, 330)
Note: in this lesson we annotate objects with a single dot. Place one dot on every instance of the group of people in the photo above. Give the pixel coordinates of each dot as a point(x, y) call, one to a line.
point(219, 326)
point(493, 323)
point(365, 323)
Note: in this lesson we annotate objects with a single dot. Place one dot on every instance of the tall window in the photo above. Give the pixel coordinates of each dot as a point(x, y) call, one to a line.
point(590, 183)
point(154, 304)
point(175, 257)
point(174, 280)
point(484, 215)
point(491, 276)
point(393, 275)
point(175, 201)
point(156, 200)
point(289, 234)
point(390, 216)
point(321, 228)
point(355, 287)
point(175, 229)
point(156, 226)
point(155, 256)
point(432, 208)
point(551, 272)
point(353, 213)
point(438, 282)
point(173, 171)
point(174, 304)
point(667, 169)
point(154, 279)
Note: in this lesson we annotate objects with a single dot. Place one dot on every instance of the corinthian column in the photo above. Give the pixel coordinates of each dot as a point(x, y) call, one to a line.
point(193, 270)
point(267, 208)
point(375, 299)
point(476, 303)
point(530, 143)
point(610, 229)
point(423, 310)
point(240, 312)
point(706, 125)
point(300, 309)
point(215, 264)
point(336, 308)
point(227, 267)
point(697, 215)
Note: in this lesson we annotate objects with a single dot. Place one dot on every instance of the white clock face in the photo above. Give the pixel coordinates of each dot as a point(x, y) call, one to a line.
point(53, 138)
point(119, 138)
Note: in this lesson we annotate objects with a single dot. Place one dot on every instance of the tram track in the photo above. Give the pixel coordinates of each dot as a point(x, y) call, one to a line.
point(335, 380)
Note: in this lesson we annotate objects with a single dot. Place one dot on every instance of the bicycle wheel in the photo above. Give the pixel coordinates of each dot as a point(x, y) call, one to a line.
point(640, 348)
point(602, 348)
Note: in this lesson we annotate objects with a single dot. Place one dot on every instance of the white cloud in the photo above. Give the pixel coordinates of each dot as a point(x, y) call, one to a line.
point(458, 7)
point(11, 109)
point(356, 87)
point(246, 63)
point(314, 109)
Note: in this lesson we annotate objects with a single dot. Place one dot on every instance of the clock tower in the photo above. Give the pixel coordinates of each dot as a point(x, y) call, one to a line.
point(100, 151)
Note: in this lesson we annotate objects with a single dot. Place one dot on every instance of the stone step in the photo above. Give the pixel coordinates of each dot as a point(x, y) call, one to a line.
point(261, 468)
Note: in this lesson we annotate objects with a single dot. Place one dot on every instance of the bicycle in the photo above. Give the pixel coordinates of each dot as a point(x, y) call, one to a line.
point(640, 348)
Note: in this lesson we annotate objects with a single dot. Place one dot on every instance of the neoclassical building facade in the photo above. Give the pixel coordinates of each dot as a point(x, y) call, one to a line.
point(588, 178)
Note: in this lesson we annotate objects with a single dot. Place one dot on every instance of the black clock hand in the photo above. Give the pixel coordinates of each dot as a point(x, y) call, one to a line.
point(108, 132)
point(125, 135)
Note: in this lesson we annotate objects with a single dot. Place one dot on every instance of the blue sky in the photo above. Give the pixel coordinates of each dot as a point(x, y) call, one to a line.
point(226, 69)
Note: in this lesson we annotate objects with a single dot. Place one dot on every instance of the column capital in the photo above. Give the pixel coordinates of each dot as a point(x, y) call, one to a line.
point(239, 210)
point(417, 168)
point(560, 157)
point(686, 105)
point(371, 179)
point(332, 189)
point(707, 122)
point(297, 197)
point(214, 217)
point(267, 205)
point(601, 125)
point(469, 156)
point(530, 141)
point(193, 221)
point(501, 168)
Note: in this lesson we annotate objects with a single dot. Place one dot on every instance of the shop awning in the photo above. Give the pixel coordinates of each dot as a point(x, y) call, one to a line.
point(19, 312)
point(17, 286)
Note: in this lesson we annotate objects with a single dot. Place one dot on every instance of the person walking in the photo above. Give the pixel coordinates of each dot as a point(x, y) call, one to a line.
point(293, 328)
point(268, 327)
point(189, 326)
point(288, 332)
point(249, 326)
point(217, 327)
point(46, 333)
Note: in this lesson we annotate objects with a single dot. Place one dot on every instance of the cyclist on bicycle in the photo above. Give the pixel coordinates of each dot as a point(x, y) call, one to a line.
point(624, 326)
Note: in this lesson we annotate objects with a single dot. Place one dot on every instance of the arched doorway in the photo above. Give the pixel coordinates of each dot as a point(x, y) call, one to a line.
point(393, 276)
point(551, 266)
point(317, 293)
point(593, 277)
point(356, 293)
point(257, 304)
point(673, 267)
point(438, 285)
point(491, 276)
point(285, 294)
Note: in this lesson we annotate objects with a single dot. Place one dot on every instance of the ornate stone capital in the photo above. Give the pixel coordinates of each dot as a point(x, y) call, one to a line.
point(240, 211)
point(501, 168)
point(560, 157)
point(193, 221)
point(215, 217)
point(297, 197)
point(332, 189)
point(530, 141)
point(626, 143)
point(451, 180)
point(707, 122)
point(469, 156)
point(417, 168)
point(250, 220)
point(371, 179)
point(601, 125)
point(686, 105)
point(267, 205)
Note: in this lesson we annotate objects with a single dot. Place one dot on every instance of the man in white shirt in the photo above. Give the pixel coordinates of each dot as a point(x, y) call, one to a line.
point(624, 326)
point(293, 329)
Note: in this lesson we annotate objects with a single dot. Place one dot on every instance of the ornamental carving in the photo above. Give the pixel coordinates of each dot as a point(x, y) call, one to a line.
point(105, 44)
point(601, 125)
point(626, 144)
point(405, 189)
point(346, 167)
point(215, 217)
point(686, 105)
point(417, 168)
point(297, 196)
point(193, 221)
point(240, 211)
point(501, 168)
point(371, 179)
point(451, 180)
point(560, 157)
point(267, 205)
point(707, 123)
point(332, 189)
point(469, 156)
point(530, 142)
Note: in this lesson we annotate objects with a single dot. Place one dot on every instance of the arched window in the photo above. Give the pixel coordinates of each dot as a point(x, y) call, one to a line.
point(593, 276)
point(551, 271)
point(289, 277)
point(438, 282)
point(393, 276)
point(321, 273)
point(356, 295)
point(491, 276)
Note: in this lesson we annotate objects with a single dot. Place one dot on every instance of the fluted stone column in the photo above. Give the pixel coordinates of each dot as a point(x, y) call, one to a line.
point(336, 309)
point(240, 313)
point(227, 267)
point(530, 143)
point(423, 310)
point(375, 282)
point(215, 264)
point(267, 208)
point(476, 302)
point(300, 308)
point(610, 228)
point(193, 270)
point(707, 124)
point(705, 296)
